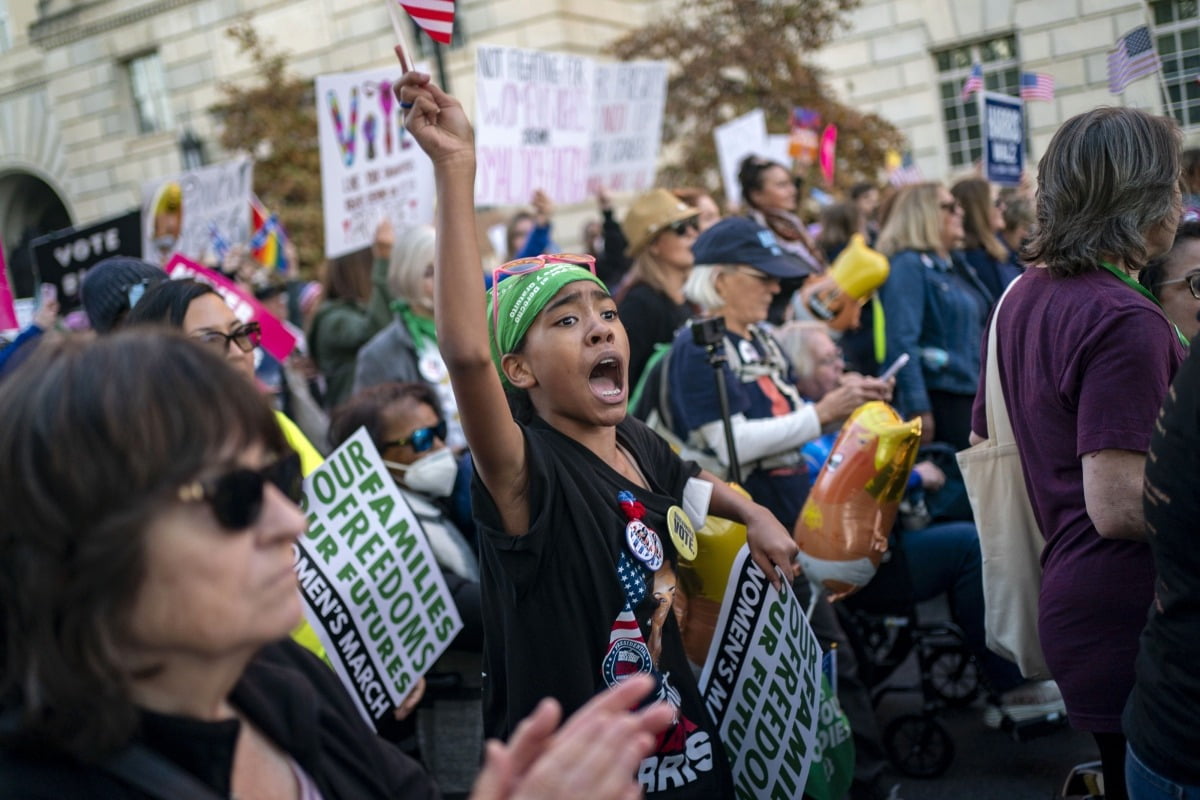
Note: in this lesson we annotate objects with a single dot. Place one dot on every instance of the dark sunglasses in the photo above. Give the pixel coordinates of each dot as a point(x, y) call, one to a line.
point(237, 496)
point(247, 337)
point(421, 439)
point(681, 227)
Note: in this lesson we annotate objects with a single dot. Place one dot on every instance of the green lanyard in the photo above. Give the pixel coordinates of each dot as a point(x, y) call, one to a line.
point(1142, 290)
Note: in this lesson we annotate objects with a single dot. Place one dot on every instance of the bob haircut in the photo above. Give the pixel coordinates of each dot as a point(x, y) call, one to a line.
point(98, 437)
point(975, 197)
point(1108, 177)
point(411, 255)
point(914, 222)
point(167, 303)
point(365, 409)
point(795, 339)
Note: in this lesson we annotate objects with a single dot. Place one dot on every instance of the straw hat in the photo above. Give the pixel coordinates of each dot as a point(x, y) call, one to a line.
point(649, 214)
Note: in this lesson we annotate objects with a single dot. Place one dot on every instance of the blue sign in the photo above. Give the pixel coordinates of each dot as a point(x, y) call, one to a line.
point(1003, 138)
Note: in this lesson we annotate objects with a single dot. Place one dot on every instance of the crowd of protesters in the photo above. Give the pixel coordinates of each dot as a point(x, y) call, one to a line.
point(153, 469)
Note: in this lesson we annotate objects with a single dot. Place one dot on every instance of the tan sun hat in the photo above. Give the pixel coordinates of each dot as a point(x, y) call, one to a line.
point(649, 214)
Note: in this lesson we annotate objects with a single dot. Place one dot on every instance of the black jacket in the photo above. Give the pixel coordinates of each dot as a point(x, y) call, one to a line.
point(293, 698)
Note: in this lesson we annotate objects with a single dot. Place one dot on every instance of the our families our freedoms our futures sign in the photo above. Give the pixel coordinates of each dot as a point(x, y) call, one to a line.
point(372, 590)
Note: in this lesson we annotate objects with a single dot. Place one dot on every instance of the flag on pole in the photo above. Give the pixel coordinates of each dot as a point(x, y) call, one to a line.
point(268, 238)
point(1037, 86)
point(974, 81)
point(1132, 58)
point(435, 17)
point(905, 172)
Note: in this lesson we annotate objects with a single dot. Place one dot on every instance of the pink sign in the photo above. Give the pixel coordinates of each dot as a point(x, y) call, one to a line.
point(828, 145)
point(8, 314)
point(276, 338)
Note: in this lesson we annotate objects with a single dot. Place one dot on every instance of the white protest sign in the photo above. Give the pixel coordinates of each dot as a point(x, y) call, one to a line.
point(762, 684)
point(189, 213)
point(371, 587)
point(627, 131)
point(778, 149)
point(533, 125)
point(736, 139)
point(371, 168)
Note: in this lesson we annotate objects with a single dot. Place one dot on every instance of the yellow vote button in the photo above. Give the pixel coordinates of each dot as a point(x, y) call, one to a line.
point(683, 535)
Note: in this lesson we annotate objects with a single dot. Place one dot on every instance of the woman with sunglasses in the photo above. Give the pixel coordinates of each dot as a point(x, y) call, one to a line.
point(1174, 278)
point(982, 247)
point(565, 493)
point(660, 230)
point(149, 590)
point(934, 309)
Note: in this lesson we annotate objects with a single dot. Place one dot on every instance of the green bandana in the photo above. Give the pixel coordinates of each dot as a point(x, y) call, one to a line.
point(420, 329)
point(521, 298)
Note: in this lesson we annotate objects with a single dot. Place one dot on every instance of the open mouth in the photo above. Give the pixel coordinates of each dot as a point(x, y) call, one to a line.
point(606, 379)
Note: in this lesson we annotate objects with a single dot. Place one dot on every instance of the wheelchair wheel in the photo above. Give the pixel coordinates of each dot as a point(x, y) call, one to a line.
point(920, 747)
point(954, 677)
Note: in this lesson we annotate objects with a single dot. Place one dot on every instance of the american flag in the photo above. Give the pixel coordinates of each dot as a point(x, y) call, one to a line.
point(1132, 58)
point(435, 17)
point(974, 81)
point(1037, 86)
point(907, 173)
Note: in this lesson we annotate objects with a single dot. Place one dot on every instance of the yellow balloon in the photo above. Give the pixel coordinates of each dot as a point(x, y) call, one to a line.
point(836, 297)
point(842, 531)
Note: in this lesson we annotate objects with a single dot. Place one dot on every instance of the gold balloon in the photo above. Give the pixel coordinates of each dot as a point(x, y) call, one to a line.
point(836, 297)
point(842, 531)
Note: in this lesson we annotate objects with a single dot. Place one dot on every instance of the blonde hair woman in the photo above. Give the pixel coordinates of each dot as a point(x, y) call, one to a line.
point(935, 307)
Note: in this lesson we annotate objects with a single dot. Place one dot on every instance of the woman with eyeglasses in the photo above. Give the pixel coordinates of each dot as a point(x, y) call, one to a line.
point(660, 229)
point(571, 495)
point(1174, 278)
point(934, 309)
point(1085, 356)
point(149, 588)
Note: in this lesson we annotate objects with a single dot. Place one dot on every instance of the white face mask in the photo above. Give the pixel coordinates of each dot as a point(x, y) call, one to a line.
point(433, 474)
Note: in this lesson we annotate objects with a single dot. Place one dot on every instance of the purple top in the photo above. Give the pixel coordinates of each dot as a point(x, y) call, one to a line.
point(1095, 361)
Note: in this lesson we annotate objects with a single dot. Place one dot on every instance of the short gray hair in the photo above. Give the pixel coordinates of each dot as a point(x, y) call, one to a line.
point(1108, 176)
point(795, 338)
point(701, 287)
point(411, 254)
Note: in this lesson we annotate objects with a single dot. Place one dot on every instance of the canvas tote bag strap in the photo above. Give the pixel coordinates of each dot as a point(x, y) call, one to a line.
point(999, 426)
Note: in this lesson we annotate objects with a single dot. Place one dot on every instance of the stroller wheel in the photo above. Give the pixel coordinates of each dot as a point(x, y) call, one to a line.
point(954, 676)
point(918, 746)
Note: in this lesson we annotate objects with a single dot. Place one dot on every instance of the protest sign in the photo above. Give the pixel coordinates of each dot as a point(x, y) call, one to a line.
point(1004, 138)
point(276, 338)
point(828, 157)
point(8, 312)
point(804, 141)
point(736, 139)
point(62, 258)
point(189, 213)
point(762, 684)
point(627, 128)
point(371, 587)
point(533, 125)
point(371, 168)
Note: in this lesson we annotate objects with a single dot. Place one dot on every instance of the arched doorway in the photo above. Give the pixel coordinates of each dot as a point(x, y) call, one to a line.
point(29, 208)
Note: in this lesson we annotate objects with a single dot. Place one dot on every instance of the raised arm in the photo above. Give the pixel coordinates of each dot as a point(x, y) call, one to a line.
point(439, 125)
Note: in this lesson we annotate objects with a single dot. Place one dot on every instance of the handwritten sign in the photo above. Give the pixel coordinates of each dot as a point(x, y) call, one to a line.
point(627, 128)
point(736, 139)
point(62, 258)
point(371, 168)
point(533, 125)
point(762, 684)
point(188, 213)
point(371, 587)
point(277, 339)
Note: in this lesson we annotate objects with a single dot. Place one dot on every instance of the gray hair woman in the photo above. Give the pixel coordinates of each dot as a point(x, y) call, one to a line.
point(1085, 359)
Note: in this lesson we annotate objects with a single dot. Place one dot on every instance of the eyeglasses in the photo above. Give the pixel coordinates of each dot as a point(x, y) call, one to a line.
point(950, 208)
point(525, 266)
point(247, 337)
point(421, 439)
point(236, 497)
point(833, 359)
point(681, 227)
point(751, 272)
point(1192, 279)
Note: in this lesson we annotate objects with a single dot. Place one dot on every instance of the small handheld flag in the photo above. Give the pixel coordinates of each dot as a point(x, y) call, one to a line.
point(1037, 86)
point(1133, 57)
point(974, 81)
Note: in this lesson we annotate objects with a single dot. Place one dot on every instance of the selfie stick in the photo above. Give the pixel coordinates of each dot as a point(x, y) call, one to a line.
point(717, 360)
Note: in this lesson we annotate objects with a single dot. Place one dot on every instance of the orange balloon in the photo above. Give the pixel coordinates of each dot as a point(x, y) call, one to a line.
point(842, 531)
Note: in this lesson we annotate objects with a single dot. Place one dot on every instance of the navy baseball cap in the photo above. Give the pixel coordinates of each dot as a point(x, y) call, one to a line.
point(740, 240)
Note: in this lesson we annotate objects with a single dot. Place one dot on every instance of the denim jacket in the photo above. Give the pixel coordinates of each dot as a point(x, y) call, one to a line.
point(935, 311)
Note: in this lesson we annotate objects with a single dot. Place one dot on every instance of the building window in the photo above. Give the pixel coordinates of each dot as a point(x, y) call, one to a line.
point(5, 27)
point(1177, 39)
point(148, 87)
point(1001, 73)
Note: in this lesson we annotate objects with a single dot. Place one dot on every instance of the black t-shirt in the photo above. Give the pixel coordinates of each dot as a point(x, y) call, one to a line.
point(552, 598)
point(650, 317)
point(1161, 715)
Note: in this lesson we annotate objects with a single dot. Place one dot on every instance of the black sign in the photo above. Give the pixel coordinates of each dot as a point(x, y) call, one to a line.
point(63, 257)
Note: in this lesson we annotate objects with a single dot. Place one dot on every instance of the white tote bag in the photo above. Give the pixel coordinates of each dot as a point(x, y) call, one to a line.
point(1008, 531)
